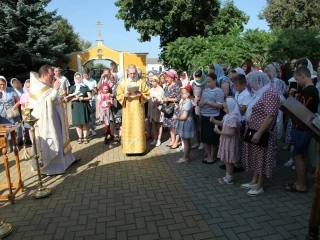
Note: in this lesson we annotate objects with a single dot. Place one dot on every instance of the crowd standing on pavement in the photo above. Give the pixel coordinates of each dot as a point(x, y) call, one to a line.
point(231, 115)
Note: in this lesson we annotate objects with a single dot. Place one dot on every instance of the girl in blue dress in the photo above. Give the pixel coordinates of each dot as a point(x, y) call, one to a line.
point(185, 123)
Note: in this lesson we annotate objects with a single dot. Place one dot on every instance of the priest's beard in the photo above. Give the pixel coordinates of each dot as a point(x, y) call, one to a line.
point(136, 77)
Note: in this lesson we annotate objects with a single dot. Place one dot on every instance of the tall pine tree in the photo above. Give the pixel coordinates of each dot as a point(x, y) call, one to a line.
point(26, 39)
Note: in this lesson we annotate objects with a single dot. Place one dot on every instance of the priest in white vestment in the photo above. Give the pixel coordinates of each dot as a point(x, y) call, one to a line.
point(51, 130)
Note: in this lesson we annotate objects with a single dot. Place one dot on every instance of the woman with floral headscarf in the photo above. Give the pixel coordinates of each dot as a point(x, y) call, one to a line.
point(260, 134)
point(80, 112)
point(273, 71)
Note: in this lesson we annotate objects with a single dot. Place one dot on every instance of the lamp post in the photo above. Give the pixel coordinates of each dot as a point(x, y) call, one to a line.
point(41, 191)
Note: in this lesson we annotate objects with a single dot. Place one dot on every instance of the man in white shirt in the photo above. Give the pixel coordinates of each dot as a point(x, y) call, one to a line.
point(65, 84)
point(92, 85)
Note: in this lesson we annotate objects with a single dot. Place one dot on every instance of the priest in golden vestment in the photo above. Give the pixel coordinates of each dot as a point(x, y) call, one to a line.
point(132, 93)
point(51, 130)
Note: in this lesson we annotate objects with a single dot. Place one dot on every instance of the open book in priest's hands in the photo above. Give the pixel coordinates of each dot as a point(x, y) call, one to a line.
point(133, 89)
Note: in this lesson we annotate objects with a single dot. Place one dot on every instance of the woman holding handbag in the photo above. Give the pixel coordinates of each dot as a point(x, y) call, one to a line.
point(9, 105)
point(260, 136)
point(171, 96)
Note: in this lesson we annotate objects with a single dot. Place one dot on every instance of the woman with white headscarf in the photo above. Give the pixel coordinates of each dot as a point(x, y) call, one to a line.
point(17, 86)
point(8, 100)
point(24, 101)
point(80, 112)
point(260, 135)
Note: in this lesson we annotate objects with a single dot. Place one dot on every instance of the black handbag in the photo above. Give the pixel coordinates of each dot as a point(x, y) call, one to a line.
point(168, 110)
point(90, 108)
point(263, 142)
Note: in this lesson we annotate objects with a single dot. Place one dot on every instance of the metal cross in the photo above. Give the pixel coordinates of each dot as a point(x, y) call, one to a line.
point(99, 24)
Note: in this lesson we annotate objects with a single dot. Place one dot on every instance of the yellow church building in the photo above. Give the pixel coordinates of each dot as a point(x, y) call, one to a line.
point(101, 52)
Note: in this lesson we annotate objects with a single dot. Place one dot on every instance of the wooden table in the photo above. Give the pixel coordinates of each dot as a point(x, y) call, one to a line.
point(13, 187)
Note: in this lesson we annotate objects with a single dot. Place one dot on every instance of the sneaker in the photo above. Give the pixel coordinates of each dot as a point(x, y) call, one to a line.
point(248, 186)
point(158, 143)
point(181, 160)
point(180, 149)
point(225, 180)
point(201, 146)
point(93, 132)
point(153, 142)
point(289, 163)
point(196, 145)
point(254, 192)
point(293, 167)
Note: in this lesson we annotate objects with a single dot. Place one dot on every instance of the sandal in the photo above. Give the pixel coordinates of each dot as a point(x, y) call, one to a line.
point(224, 180)
point(80, 140)
point(85, 141)
point(293, 188)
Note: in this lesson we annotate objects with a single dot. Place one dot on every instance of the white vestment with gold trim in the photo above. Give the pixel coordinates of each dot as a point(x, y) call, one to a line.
point(51, 130)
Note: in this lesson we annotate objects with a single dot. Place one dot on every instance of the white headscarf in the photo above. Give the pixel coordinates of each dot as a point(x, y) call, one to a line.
point(239, 71)
point(310, 67)
point(78, 85)
point(25, 87)
point(262, 82)
point(272, 71)
point(234, 112)
point(4, 92)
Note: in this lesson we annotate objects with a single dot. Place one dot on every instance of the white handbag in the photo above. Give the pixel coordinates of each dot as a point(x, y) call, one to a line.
point(11, 112)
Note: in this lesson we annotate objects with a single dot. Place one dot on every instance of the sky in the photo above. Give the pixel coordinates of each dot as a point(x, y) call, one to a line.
point(84, 15)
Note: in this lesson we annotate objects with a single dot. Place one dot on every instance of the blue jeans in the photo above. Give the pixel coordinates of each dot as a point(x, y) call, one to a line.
point(92, 122)
point(300, 141)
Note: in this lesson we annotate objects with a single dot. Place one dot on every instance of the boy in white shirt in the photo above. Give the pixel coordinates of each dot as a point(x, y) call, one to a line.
point(92, 85)
point(243, 97)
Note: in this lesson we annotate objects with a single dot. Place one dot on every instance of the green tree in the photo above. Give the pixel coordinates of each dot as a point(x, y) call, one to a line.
point(26, 40)
point(84, 45)
point(234, 48)
point(295, 43)
point(66, 34)
point(292, 14)
point(229, 17)
point(173, 19)
point(258, 44)
point(100, 65)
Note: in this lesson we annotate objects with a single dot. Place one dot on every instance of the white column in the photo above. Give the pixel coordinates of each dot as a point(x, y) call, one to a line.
point(79, 64)
point(121, 65)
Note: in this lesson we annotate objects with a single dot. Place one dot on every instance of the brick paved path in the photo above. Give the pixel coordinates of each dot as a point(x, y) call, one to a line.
point(110, 196)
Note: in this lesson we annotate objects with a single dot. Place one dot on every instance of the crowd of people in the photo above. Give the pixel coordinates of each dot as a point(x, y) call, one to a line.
point(231, 114)
point(235, 115)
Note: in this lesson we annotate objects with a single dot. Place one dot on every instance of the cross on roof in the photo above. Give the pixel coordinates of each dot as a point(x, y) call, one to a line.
point(99, 24)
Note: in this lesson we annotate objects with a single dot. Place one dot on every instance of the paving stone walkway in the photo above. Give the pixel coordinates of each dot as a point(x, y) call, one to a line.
point(110, 196)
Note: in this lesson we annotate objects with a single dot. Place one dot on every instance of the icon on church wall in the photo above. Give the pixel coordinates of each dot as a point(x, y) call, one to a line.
point(100, 53)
